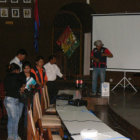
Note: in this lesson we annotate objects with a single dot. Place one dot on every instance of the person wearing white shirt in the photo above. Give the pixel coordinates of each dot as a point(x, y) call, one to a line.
point(52, 71)
point(20, 56)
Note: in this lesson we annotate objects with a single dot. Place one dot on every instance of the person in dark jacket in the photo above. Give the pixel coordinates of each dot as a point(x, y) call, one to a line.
point(13, 87)
point(99, 56)
point(40, 74)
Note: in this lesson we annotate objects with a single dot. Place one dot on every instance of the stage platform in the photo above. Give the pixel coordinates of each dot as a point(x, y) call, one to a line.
point(125, 106)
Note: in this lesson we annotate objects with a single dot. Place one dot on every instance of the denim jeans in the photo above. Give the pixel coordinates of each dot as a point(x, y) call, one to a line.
point(12, 106)
point(95, 74)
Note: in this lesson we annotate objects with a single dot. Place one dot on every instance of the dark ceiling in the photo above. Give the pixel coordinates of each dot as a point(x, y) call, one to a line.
point(82, 11)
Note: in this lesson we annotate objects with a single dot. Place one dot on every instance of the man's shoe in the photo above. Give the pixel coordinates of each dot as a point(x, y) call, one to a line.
point(93, 94)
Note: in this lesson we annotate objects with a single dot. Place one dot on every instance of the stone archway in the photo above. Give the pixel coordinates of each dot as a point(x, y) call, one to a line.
point(78, 17)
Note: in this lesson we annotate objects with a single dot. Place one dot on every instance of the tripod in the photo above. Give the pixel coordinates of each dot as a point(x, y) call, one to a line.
point(125, 83)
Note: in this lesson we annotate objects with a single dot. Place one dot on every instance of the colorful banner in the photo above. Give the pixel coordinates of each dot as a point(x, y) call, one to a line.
point(68, 42)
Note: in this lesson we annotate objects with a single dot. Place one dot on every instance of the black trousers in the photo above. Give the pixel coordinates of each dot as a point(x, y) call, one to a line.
point(1, 106)
point(52, 91)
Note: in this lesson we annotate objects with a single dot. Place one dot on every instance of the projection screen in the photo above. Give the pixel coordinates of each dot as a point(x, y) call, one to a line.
point(120, 33)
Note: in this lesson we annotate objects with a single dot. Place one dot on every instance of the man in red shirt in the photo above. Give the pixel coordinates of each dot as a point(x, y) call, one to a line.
point(99, 59)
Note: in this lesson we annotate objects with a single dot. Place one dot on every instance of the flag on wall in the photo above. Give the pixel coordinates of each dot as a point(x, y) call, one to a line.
point(36, 26)
point(68, 42)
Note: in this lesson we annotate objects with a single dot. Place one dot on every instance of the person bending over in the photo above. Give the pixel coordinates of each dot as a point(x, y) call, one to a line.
point(13, 87)
point(18, 59)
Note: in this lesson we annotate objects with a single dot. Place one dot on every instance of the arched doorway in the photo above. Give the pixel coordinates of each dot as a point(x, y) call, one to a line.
point(78, 17)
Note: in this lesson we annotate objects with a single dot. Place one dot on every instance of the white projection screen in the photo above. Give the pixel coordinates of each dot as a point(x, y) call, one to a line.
point(120, 33)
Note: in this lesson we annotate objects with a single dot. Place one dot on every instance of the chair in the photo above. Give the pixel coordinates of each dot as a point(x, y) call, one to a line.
point(47, 134)
point(37, 113)
point(46, 122)
point(47, 108)
point(50, 109)
point(33, 133)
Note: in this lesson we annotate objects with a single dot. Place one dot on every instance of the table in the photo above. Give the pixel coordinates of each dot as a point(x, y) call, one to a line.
point(76, 119)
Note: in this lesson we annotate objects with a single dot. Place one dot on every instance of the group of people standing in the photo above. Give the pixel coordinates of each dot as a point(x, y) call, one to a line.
point(20, 74)
point(21, 77)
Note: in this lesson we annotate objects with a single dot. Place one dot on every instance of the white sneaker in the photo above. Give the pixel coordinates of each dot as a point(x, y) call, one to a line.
point(10, 138)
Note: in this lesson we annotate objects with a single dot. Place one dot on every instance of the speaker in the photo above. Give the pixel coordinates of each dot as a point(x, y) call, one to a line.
point(77, 102)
